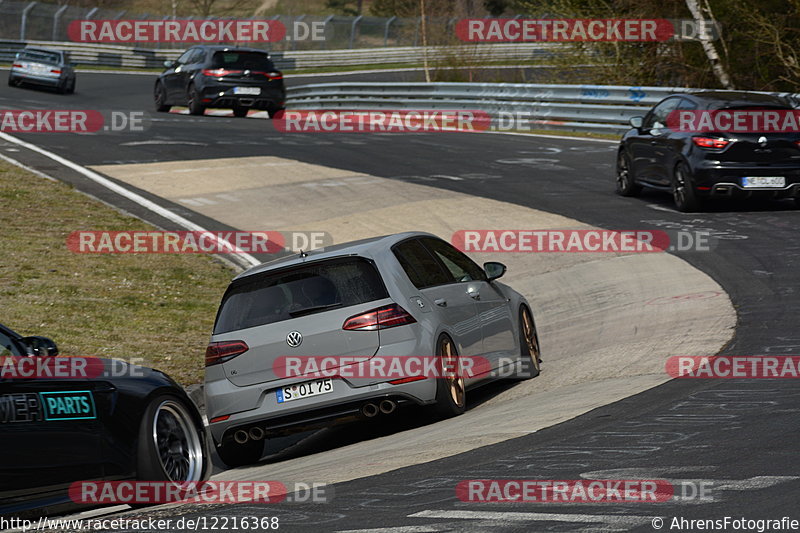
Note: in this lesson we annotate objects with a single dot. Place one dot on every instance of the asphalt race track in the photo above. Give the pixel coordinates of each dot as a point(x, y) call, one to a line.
point(737, 436)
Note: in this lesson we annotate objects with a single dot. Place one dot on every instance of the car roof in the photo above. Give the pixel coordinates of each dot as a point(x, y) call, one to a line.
point(722, 99)
point(364, 247)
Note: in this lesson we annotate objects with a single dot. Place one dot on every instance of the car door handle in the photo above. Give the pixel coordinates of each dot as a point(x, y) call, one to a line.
point(441, 302)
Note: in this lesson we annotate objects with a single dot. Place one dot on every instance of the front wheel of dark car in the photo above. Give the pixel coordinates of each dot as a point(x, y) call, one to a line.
point(626, 182)
point(683, 192)
point(451, 397)
point(273, 112)
point(234, 454)
point(240, 112)
point(196, 106)
point(172, 446)
point(160, 98)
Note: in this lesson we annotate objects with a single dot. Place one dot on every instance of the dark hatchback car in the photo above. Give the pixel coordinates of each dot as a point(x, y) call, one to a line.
point(47, 68)
point(221, 77)
point(695, 166)
point(124, 422)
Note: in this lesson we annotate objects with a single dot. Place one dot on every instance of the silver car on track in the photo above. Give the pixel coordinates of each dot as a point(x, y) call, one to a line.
point(410, 294)
point(48, 68)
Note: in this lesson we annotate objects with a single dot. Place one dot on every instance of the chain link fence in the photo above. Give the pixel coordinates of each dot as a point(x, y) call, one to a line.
point(37, 21)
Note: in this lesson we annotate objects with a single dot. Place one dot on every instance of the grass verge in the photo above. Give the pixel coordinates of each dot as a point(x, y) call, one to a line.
point(156, 307)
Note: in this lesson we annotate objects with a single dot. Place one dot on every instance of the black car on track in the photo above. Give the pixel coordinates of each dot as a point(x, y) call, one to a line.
point(696, 165)
point(125, 422)
point(221, 77)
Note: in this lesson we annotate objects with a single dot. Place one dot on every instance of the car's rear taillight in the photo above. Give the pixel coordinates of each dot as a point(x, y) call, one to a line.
point(17, 65)
point(797, 143)
point(55, 71)
point(711, 142)
point(219, 352)
point(219, 72)
point(274, 75)
point(384, 317)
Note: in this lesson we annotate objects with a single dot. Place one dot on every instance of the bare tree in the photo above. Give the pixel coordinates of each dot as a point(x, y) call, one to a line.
point(699, 15)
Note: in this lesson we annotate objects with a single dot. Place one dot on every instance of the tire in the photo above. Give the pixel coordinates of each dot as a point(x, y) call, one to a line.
point(797, 202)
point(273, 112)
point(62, 87)
point(626, 181)
point(530, 353)
point(160, 98)
point(234, 454)
point(195, 106)
point(683, 192)
point(240, 112)
point(71, 87)
point(12, 82)
point(171, 446)
point(451, 398)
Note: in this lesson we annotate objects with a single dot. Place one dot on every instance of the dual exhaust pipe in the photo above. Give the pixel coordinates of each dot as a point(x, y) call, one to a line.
point(254, 433)
point(368, 410)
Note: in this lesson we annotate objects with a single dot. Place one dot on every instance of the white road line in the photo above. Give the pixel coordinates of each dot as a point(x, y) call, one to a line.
point(398, 529)
point(626, 520)
point(242, 259)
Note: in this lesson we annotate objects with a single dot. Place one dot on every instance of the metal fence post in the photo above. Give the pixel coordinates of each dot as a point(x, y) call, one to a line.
point(56, 18)
point(23, 25)
point(91, 13)
point(325, 30)
point(294, 35)
point(353, 29)
point(386, 31)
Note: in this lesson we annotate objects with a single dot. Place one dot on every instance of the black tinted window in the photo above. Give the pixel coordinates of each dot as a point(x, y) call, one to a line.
point(459, 266)
point(420, 266)
point(281, 295)
point(7, 346)
point(242, 61)
point(657, 119)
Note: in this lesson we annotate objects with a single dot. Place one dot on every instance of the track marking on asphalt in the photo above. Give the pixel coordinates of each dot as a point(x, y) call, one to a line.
point(664, 208)
point(244, 260)
point(398, 529)
point(503, 516)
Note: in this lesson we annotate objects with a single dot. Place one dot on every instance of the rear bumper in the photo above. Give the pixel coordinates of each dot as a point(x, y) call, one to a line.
point(38, 80)
point(341, 405)
point(224, 97)
point(722, 181)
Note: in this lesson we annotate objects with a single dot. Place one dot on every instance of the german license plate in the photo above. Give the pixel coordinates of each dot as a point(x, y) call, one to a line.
point(764, 181)
point(304, 390)
point(247, 90)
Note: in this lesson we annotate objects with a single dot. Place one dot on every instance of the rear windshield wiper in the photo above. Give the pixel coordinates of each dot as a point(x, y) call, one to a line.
point(313, 309)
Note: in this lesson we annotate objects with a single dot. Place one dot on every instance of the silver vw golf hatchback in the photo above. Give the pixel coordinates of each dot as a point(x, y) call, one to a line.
point(399, 296)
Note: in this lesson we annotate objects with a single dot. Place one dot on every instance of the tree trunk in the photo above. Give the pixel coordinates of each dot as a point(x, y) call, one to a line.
point(708, 46)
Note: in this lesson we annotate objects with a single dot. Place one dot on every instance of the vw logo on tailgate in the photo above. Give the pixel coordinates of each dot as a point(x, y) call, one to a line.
point(294, 339)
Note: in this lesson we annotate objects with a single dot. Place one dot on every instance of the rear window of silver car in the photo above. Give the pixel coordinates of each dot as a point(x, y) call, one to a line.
point(40, 57)
point(311, 288)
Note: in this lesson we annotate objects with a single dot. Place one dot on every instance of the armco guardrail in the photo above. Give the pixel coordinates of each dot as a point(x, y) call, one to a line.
point(112, 56)
point(585, 108)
